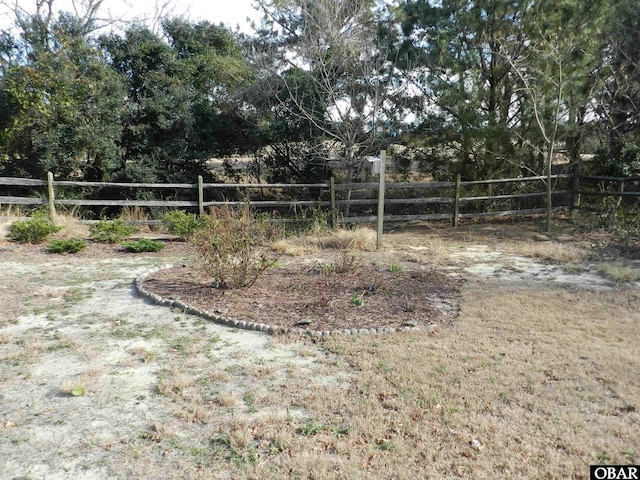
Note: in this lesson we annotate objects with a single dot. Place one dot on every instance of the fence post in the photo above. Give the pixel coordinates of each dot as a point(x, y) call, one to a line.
point(621, 190)
point(456, 201)
point(52, 207)
point(383, 168)
point(575, 194)
point(200, 196)
point(334, 212)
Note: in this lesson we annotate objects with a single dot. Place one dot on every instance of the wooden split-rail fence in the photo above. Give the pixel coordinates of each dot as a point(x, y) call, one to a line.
point(347, 202)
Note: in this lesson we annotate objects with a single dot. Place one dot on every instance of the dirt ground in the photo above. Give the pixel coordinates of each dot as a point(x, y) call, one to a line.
point(304, 293)
point(532, 370)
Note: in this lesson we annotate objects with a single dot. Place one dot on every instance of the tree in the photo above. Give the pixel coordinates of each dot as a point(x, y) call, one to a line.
point(214, 62)
point(327, 66)
point(288, 147)
point(65, 104)
point(617, 99)
point(452, 54)
point(556, 73)
point(179, 107)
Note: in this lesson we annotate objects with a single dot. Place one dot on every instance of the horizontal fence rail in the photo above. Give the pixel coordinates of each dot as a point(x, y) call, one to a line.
point(624, 189)
point(456, 197)
point(446, 198)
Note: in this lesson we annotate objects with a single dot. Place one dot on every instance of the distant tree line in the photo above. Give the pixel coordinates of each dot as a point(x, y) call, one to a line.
point(486, 88)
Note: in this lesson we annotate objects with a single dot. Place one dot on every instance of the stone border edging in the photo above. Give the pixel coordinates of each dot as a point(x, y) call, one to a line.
point(258, 327)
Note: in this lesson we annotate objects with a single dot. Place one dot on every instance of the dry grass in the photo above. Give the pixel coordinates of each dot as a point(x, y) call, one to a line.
point(8, 215)
point(529, 384)
point(70, 221)
point(293, 246)
point(71, 227)
point(259, 371)
point(159, 432)
point(227, 399)
point(361, 239)
point(219, 376)
point(549, 251)
point(134, 214)
point(5, 226)
point(619, 272)
point(533, 381)
point(175, 383)
point(431, 247)
point(195, 412)
point(32, 345)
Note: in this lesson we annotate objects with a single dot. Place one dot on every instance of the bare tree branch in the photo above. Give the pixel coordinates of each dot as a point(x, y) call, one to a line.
point(330, 46)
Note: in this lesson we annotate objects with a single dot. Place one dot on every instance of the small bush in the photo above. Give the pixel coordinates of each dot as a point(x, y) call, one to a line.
point(319, 222)
point(111, 231)
point(72, 245)
point(35, 230)
point(143, 245)
point(183, 224)
point(231, 246)
point(625, 164)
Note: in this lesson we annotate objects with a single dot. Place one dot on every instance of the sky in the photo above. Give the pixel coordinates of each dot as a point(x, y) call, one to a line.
point(229, 12)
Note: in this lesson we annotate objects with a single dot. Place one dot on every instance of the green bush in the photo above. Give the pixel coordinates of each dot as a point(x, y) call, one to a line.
point(626, 164)
point(231, 246)
point(72, 245)
point(183, 224)
point(111, 231)
point(143, 245)
point(34, 230)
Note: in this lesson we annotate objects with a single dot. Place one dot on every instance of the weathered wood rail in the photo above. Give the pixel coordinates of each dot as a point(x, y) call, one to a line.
point(448, 198)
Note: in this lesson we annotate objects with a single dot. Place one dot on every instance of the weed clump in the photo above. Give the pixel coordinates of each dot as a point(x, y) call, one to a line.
point(111, 231)
point(231, 246)
point(34, 230)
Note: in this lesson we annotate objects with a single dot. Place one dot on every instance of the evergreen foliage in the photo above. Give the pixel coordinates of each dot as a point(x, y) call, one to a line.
point(72, 245)
point(33, 230)
point(143, 245)
point(485, 88)
point(183, 224)
point(111, 231)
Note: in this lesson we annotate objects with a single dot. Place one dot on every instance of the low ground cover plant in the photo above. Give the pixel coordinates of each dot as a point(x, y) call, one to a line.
point(111, 231)
point(143, 245)
point(72, 245)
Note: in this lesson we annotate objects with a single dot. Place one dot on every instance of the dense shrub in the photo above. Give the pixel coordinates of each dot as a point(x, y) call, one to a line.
point(231, 246)
point(111, 231)
point(626, 164)
point(34, 230)
point(72, 245)
point(183, 224)
point(143, 245)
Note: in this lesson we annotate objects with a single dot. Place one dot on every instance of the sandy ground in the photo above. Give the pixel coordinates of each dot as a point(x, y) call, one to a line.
point(73, 324)
point(84, 326)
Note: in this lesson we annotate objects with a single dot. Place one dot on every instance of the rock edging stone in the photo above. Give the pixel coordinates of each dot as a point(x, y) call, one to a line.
point(224, 320)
